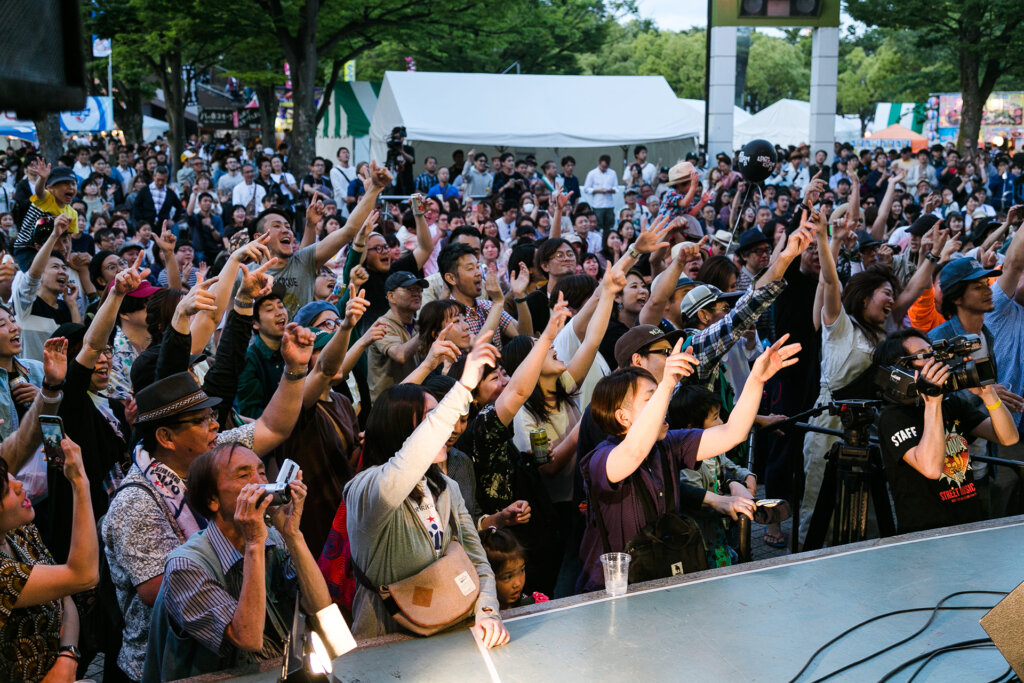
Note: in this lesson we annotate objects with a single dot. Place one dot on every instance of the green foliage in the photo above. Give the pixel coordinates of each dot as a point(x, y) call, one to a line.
point(544, 36)
point(776, 70)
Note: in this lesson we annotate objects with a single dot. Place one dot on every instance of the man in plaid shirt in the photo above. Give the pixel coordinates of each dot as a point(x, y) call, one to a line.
point(426, 180)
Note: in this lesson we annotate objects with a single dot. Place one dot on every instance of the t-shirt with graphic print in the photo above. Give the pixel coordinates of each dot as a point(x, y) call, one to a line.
point(923, 503)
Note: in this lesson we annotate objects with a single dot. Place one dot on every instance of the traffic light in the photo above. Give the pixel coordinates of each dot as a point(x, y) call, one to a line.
point(780, 8)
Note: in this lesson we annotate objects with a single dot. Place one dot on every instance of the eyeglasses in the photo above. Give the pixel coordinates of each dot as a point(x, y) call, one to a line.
point(380, 248)
point(205, 420)
point(107, 351)
point(658, 352)
point(761, 251)
point(328, 325)
point(116, 265)
point(565, 255)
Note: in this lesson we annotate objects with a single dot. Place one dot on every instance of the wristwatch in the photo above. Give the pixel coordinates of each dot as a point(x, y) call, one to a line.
point(932, 257)
point(633, 253)
point(71, 650)
point(295, 376)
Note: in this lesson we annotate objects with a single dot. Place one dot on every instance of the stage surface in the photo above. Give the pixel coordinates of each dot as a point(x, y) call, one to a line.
point(755, 622)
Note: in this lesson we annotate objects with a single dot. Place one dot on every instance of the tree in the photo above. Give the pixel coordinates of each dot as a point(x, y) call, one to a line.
point(776, 70)
point(982, 37)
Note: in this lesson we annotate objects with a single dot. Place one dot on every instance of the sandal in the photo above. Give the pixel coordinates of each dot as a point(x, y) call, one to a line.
point(774, 541)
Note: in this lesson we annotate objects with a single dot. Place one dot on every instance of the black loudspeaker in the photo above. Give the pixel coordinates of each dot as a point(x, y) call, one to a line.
point(41, 54)
point(1004, 624)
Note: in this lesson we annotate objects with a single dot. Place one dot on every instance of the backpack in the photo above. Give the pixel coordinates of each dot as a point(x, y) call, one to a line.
point(667, 545)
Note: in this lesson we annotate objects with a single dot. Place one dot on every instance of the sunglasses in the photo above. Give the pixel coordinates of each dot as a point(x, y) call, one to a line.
point(658, 352)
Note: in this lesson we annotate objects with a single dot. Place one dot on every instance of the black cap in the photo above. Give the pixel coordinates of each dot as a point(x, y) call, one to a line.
point(639, 338)
point(922, 225)
point(750, 239)
point(403, 278)
point(61, 174)
point(866, 241)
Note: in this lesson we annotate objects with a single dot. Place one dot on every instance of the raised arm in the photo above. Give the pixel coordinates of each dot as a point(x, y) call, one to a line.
point(721, 438)
point(832, 290)
point(98, 333)
point(641, 436)
point(922, 278)
point(614, 281)
point(81, 572)
point(524, 379)
point(60, 226)
point(276, 422)
point(878, 227)
point(21, 444)
point(379, 178)
point(165, 243)
point(796, 244)
point(203, 325)
point(561, 199)
point(328, 364)
point(1013, 264)
point(424, 240)
point(42, 171)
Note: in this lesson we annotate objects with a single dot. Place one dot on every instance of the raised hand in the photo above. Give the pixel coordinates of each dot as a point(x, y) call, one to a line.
point(934, 373)
point(679, 364)
point(60, 225)
point(773, 359)
point(258, 282)
point(199, 298)
point(651, 239)
point(166, 240)
point(517, 513)
point(55, 360)
point(355, 308)
point(482, 354)
point(376, 332)
point(614, 279)
point(1015, 214)
point(442, 351)
point(359, 276)
point(988, 257)
point(492, 287)
point(380, 177)
point(561, 198)
point(74, 468)
point(297, 347)
point(255, 251)
point(315, 210)
point(799, 240)
point(203, 269)
point(560, 313)
point(520, 281)
point(692, 251)
point(286, 518)
point(814, 189)
point(40, 167)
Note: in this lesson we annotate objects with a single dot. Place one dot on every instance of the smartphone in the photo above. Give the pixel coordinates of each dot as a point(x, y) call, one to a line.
point(52, 428)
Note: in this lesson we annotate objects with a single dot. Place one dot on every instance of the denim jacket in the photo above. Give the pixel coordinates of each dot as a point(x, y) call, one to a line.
point(31, 370)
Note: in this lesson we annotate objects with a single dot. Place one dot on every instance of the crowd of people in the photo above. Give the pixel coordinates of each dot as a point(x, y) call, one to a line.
point(508, 372)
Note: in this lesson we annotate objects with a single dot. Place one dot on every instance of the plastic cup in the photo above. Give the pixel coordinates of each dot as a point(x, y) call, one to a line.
point(616, 573)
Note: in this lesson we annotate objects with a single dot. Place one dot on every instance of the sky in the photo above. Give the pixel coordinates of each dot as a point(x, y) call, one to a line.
point(677, 15)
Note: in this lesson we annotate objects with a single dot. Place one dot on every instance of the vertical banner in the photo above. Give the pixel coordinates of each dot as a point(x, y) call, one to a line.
point(349, 71)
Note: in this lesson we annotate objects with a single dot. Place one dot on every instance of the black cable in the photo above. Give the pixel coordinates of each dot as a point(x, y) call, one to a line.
point(1001, 677)
point(934, 610)
point(944, 650)
point(927, 656)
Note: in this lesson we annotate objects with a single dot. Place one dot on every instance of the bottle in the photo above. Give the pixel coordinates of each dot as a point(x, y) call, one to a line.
point(539, 445)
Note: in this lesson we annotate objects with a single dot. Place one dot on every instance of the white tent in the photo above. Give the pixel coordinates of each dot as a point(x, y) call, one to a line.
point(153, 128)
point(788, 122)
point(739, 115)
point(544, 115)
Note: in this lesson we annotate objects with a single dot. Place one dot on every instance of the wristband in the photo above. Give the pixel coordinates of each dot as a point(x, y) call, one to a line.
point(295, 376)
point(69, 651)
point(932, 257)
point(53, 387)
point(242, 303)
point(521, 299)
point(995, 406)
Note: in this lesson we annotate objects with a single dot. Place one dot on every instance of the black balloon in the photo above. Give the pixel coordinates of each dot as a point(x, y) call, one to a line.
point(756, 160)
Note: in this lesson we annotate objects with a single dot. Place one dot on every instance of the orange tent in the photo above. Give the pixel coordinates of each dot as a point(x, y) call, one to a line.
point(898, 132)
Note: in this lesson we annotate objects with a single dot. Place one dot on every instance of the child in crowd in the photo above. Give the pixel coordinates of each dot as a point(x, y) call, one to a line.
point(508, 560)
point(695, 407)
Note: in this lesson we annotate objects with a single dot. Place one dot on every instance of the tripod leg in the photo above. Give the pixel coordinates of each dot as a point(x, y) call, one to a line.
point(825, 505)
point(880, 494)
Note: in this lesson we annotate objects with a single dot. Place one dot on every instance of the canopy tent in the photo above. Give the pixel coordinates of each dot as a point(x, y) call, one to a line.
point(153, 128)
point(346, 122)
point(788, 122)
point(532, 113)
point(895, 137)
point(739, 115)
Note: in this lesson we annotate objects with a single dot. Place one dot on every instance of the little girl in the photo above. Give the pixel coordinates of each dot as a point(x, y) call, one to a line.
point(508, 560)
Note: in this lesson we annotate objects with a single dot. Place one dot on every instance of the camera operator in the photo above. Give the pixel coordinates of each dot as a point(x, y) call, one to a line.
point(401, 158)
point(967, 300)
point(229, 591)
point(924, 442)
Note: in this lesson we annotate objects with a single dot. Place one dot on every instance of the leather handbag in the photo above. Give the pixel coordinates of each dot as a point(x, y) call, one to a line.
point(435, 598)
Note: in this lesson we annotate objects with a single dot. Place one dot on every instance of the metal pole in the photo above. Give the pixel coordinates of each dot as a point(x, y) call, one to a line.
point(110, 77)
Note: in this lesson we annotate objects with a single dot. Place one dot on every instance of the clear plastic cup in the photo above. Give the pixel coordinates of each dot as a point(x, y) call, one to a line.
point(616, 573)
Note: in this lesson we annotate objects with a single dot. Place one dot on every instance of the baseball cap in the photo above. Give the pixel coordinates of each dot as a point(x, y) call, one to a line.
point(963, 270)
point(751, 238)
point(61, 174)
point(922, 225)
point(866, 241)
point(702, 296)
point(684, 282)
point(403, 278)
point(308, 313)
point(322, 337)
point(639, 338)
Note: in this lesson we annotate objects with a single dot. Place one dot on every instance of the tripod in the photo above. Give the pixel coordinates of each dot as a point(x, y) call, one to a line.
point(853, 474)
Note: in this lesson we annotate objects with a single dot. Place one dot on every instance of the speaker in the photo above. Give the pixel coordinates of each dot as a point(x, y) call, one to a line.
point(780, 8)
point(1004, 624)
point(41, 53)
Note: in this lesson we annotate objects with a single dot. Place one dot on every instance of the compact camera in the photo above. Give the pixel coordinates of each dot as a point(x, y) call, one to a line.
point(965, 371)
point(279, 491)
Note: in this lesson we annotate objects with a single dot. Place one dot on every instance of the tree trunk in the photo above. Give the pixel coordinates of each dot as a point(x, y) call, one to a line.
point(970, 92)
point(51, 143)
point(303, 137)
point(174, 102)
point(129, 118)
point(268, 114)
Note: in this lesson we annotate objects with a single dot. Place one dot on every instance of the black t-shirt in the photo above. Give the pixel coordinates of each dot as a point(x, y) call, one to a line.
point(540, 311)
point(611, 335)
point(923, 503)
point(510, 190)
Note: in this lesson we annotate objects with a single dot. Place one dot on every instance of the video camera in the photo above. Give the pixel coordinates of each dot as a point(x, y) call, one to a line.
point(395, 140)
point(898, 381)
point(280, 493)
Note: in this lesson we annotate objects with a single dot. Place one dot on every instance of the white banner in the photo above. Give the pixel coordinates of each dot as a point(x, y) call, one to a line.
point(101, 47)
